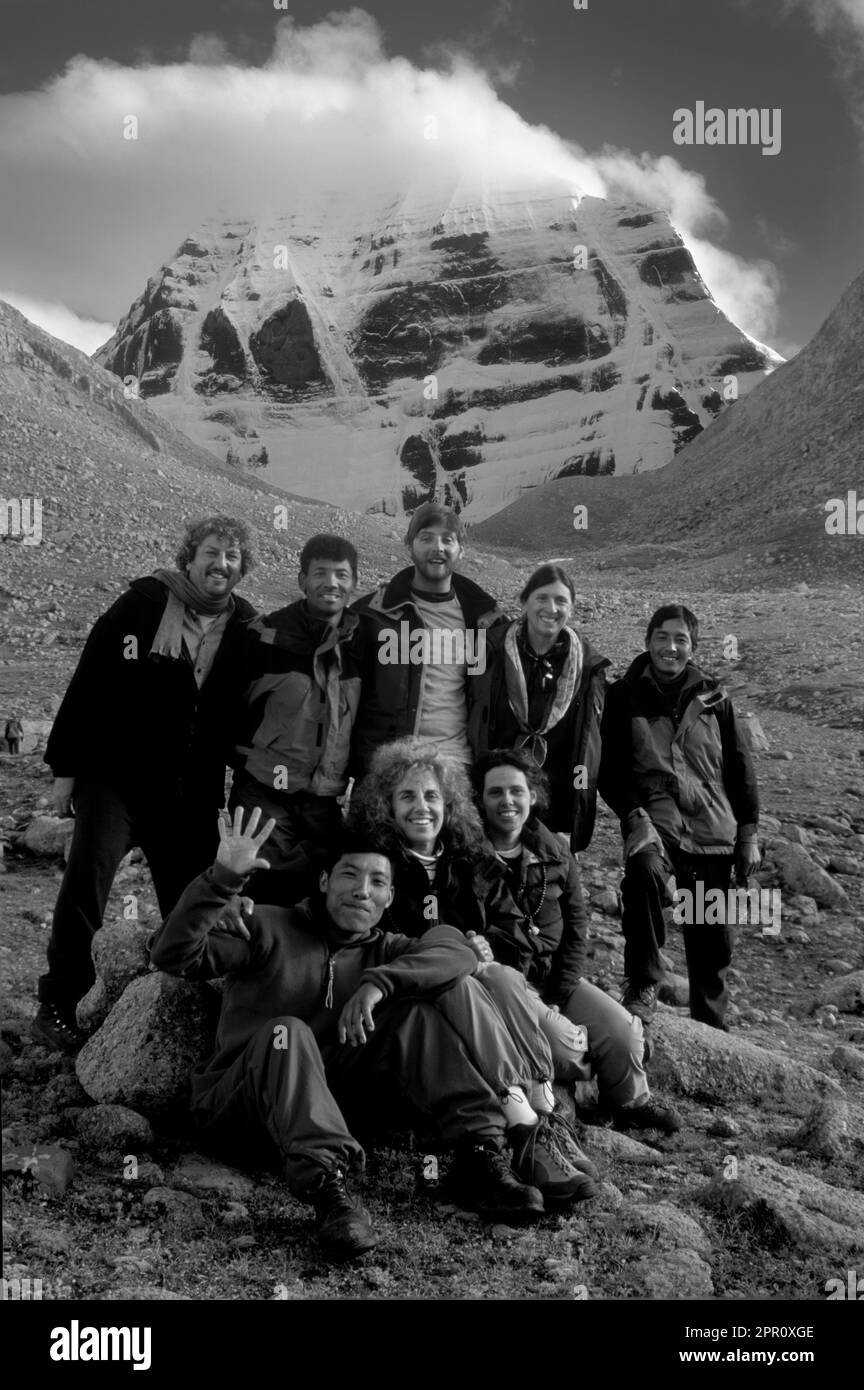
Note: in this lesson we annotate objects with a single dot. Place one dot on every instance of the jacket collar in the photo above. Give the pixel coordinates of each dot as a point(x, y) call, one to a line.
point(391, 597)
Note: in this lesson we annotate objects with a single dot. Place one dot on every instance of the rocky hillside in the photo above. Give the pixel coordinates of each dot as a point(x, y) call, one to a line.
point(752, 489)
point(467, 344)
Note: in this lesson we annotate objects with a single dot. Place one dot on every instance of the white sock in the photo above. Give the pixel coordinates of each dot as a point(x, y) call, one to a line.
point(542, 1097)
point(516, 1110)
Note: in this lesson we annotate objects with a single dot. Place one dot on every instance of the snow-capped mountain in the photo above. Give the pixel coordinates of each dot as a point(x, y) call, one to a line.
point(463, 346)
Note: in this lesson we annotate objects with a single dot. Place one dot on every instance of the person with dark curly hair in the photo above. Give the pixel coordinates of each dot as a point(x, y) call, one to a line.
point(542, 691)
point(139, 748)
point(536, 921)
point(418, 802)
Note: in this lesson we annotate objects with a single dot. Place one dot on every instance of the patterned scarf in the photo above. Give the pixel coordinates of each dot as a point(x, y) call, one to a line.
point(182, 593)
point(532, 740)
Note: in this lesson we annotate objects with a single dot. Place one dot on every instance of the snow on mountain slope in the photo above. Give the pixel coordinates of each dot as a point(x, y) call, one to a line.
point(450, 342)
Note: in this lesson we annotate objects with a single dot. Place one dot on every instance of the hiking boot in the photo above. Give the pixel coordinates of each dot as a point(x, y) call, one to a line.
point(343, 1225)
point(641, 1000)
point(484, 1181)
point(568, 1143)
point(537, 1158)
point(654, 1114)
point(57, 1030)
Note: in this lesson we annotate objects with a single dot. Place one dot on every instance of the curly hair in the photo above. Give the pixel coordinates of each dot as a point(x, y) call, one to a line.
point(535, 777)
point(226, 528)
point(371, 810)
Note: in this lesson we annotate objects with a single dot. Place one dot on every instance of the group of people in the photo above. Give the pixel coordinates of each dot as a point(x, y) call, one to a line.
point(392, 895)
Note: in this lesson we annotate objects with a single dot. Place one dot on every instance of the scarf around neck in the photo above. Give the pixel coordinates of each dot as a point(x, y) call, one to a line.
point(182, 593)
point(532, 740)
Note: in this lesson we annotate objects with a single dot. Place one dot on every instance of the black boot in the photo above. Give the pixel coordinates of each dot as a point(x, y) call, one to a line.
point(343, 1225)
point(56, 1029)
point(482, 1179)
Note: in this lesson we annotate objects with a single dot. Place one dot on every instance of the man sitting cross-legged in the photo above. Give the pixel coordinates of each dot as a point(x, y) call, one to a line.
point(323, 1012)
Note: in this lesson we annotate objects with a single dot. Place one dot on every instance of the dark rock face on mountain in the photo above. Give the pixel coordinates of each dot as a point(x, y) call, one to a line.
point(466, 351)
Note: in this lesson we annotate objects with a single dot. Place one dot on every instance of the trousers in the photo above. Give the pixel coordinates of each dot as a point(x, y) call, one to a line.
point(179, 841)
point(292, 1099)
point(708, 949)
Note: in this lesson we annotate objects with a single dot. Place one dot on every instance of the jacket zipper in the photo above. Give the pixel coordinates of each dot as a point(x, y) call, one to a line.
point(328, 1000)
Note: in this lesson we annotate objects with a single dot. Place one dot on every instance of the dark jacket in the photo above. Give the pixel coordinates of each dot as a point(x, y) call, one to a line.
point(573, 742)
point(475, 895)
point(690, 770)
point(143, 725)
point(290, 966)
point(390, 699)
point(301, 699)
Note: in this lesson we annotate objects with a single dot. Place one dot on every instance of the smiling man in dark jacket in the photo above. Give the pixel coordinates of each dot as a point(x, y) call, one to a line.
point(301, 668)
point(324, 1017)
point(678, 774)
point(140, 745)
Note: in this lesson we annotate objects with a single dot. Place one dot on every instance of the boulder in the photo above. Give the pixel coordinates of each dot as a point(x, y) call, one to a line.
point(150, 1042)
point(753, 735)
point(845, 992)
point(182, 1208)
point(665, 1226)
point(849, 1059)
point(825, 1131)
point(120, 955)
point(51, 1167)
point(675, 989)
point(672, 1274)
point(195, 1173)
point(803, 875)
point(620, 1147)
point(788, 1204)
point(49, 836)
point(714, 1067)
point(107, 1128)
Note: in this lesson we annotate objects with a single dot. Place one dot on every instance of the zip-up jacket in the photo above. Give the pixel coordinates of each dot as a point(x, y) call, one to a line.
point(292, 965)
point(301, 699)
point(693, 774)
point(573, 742)
point(475, 895)
point(390, 704)
point(143, 725)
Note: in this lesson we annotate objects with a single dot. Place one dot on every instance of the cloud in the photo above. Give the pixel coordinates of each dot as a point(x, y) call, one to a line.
point(61, 322)
point(322, 127)
point(841, 24)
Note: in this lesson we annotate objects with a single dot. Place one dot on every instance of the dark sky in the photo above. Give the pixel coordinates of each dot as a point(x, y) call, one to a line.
point(609, 75)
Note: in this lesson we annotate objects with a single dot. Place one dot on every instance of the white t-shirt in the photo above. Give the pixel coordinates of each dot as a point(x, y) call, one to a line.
point(443, 713)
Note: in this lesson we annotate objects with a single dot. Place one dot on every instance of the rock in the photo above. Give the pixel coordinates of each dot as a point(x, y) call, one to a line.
point(803, 875)
point(195, 1173)
point(147, 1173)
point(113, 1127)
point(846, 993)
point(62, 1092)
point(849, 1060)
point(796, 834)
point(144, 1052)
point(675, 989)
point(829, 823)
point(665, 1226)
point(837, 966)
point(787, 1203)
point(808, 907)
point(606, 900)
point(52, 1167)
point(673, 1274)
point(752, 734)
point(611, 1144)
point(724, 1127)
point(846, 864)
point(179, 1206)
point(120, 955)
point(49, 836)
point(825, 1132)
point(714, 1067)
point(53, 1242)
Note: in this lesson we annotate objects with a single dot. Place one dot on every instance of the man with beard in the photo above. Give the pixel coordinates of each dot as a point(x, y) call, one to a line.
point(425, 633)
point(139, 748)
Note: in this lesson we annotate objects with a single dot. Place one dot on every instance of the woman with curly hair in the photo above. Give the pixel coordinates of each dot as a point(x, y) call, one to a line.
point(418, 804)
point(536, 921)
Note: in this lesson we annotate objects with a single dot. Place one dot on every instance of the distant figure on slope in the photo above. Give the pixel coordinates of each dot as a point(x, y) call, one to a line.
point(678, 774)
point(140, 746)
point(13, 733)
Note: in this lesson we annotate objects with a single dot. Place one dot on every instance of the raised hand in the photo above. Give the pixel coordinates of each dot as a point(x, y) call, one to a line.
point(238, 848)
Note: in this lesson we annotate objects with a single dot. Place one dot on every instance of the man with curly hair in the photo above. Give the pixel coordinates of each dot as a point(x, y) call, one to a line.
point(139, 748)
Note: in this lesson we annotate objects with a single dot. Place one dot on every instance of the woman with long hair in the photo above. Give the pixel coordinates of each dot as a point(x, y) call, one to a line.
point(542, 691)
